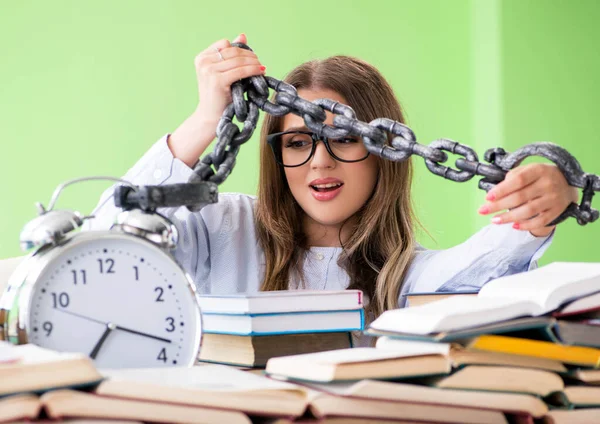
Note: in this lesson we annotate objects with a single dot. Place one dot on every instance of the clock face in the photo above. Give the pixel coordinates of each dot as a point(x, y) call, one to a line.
point(117, 298)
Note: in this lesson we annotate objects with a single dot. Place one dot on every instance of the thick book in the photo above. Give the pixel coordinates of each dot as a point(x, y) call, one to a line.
point(461, 356)
point(510, 403)
point(573, 355)
point(422, 298)
point(255, 351)
point(282, 301)
point(544, 384)
point(532, 293)
point(360, 363)
point(215, 386)
point(332, 406)
point(61, 404)
point(283, 323)
point(38, 370)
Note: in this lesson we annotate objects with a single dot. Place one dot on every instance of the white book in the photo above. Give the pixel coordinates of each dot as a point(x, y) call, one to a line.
point(282, 301)
point(284, 323)
point(532, 293)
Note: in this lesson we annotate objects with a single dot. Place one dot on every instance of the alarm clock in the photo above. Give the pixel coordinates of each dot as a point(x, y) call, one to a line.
point(118, 295)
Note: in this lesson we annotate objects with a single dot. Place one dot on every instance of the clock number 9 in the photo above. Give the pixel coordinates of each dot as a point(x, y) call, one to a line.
point(47, 326)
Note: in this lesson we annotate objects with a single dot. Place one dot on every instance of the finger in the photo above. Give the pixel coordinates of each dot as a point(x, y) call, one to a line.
point(230, 52)
point(515, 180)
point(513, 200)
point(236, 62)
point(539, 221)
point(523, 212)
point(241, 39)
point(236, 74)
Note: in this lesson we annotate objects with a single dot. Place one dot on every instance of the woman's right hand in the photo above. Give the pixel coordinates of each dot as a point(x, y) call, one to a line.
point(215, 76)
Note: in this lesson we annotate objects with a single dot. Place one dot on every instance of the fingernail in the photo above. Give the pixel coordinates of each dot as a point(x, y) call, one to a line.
point(490, 196)
point(484, 210)
point(516, 226)
point(262, 68)
point(496, 220)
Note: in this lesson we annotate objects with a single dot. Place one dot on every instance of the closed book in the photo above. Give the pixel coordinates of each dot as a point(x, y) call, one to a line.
point(37, 370)
point(503, 379)
point(255, 351)
point(532, 293)
point(283, 323)
point(214, 386)
point(461, 357)
point(282, 301)
point(576, 333)
point(572, 355)
point(62, 404)
point(416, 299)
point(359, 363)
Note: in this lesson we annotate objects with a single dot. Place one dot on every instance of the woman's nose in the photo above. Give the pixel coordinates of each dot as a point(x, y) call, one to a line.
point(322, 158)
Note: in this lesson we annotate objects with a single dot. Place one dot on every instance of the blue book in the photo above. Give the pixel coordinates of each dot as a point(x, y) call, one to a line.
point(283, 323)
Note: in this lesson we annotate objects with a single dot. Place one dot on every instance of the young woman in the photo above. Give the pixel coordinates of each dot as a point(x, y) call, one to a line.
point(329, 216)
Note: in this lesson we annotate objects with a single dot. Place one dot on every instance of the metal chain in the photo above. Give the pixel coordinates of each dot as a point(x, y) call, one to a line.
point(383, 137)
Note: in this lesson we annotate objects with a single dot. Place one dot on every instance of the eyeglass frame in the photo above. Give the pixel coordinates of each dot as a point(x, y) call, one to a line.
point(272, 140)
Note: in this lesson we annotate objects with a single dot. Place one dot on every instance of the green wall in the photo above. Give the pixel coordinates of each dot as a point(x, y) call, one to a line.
point(87, 87)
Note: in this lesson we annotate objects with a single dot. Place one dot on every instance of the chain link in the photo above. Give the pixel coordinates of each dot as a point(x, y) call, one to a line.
point(383, 137)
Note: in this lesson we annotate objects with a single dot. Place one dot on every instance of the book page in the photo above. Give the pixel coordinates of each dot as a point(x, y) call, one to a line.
point(8, 353)
point(202, 377)
point(452, 313)
point(413, 347)
point(548, 286)
point(350, 356)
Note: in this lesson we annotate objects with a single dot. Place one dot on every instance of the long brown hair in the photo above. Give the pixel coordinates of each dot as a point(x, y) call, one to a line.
point(381, 246)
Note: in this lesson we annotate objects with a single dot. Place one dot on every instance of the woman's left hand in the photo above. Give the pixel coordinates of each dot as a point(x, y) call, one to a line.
point(532, 195)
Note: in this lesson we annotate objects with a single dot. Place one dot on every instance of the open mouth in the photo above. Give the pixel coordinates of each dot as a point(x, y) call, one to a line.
point(324, 188)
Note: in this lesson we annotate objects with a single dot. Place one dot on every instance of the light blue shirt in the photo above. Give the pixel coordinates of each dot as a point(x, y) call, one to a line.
point(218, 247)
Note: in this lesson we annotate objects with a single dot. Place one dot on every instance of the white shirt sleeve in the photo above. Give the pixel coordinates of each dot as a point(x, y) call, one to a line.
point(492, 252)
point(217, 246)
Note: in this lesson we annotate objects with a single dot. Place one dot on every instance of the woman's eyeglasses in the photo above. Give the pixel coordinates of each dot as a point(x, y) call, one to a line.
point(295, 148)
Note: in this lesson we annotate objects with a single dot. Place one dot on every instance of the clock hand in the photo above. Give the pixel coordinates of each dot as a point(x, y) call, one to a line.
point(82, 316)
point(117, 327)
point(129, 330)
point(109, 327)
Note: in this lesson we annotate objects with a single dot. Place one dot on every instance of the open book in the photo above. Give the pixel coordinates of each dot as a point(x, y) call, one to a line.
point(214, 386)
point(533, 293)
point(29, 368)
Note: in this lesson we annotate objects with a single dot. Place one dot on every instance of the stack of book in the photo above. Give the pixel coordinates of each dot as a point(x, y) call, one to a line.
point(36, 384)
point(525, 348)
point(248, 330)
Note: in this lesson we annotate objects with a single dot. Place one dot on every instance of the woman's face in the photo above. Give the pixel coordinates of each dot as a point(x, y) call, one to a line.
point(328, 207)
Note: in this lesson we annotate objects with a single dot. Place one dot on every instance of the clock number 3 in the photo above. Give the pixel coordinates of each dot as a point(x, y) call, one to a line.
point(171, 326)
